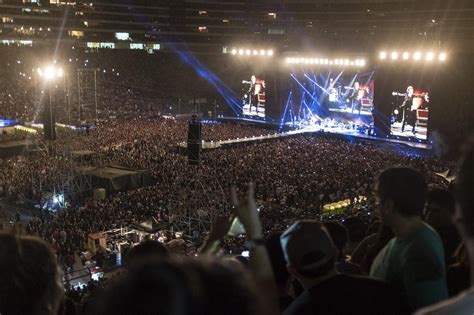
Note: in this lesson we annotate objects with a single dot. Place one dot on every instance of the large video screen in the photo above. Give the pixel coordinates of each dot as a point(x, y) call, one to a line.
point(410, 109)
point(248, 89)
point(339, 101)
point(253, 96)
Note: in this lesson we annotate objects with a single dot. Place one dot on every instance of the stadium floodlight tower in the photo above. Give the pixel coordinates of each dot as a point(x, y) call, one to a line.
point(50, 74)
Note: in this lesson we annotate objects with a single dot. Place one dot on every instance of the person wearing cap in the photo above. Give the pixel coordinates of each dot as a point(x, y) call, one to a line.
point(413, 260)
point(311, 256)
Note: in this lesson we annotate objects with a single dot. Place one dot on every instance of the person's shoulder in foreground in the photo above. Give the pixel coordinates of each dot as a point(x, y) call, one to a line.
point(463, 304)
point(346, 294)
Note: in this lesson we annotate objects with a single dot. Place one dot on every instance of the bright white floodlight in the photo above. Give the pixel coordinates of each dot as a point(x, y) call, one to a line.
point(50, 72)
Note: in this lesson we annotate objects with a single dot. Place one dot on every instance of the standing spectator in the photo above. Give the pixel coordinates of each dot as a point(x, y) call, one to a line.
point(339, 235)
point(356, 229)
point(412, 261)
point(438, 213)
point(282, 277)
point(464, 218)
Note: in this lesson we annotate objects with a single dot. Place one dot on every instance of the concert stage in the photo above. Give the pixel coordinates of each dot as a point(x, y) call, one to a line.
point(293, 130)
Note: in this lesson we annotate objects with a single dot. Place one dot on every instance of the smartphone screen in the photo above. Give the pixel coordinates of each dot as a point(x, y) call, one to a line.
point(237, 228)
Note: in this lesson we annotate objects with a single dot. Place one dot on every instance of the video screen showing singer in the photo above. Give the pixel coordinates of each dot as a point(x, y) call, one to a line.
point(410, 113)
point(253, 100)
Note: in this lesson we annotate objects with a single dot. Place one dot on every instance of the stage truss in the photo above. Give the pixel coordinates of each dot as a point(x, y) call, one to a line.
point(201, 198)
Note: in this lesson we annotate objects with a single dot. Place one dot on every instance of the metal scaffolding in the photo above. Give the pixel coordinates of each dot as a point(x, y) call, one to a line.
point(72, 178)
point(87, 95)
point(200, 199)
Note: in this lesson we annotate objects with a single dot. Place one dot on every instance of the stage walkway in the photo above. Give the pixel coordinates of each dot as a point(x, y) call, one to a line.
point(312, 129)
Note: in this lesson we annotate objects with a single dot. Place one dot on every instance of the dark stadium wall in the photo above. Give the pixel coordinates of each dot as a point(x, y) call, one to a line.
point(452, 120)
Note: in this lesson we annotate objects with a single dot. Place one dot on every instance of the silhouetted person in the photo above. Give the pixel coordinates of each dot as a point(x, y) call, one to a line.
point(439, 211)
point(29, 277)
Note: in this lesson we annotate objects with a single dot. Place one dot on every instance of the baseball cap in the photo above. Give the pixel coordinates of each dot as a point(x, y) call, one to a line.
point(307, 245)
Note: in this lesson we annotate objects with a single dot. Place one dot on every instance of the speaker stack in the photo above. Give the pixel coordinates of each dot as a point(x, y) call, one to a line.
point(49, 121)
point(194, 142)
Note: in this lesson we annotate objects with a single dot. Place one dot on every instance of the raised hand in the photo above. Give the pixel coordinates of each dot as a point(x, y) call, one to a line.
point(246, 210)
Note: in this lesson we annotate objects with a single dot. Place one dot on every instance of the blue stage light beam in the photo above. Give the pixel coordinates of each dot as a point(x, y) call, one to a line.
point(302, 86)
point(316, 84)
point(282, 121)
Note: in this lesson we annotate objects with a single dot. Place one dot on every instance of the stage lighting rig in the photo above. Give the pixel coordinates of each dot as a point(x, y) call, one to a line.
point(417, 56)
point(249, 51)
point(338, 62)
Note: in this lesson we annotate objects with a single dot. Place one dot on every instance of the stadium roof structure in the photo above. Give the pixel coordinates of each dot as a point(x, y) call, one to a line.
point(207, 26)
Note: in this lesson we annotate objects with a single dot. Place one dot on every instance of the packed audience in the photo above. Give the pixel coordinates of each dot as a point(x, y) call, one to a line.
point(127, 84)
point(293, 176)
point(406, 247)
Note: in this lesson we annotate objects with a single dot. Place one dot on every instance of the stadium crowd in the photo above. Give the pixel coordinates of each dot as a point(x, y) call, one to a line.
point(293, 176)
point(406, 247)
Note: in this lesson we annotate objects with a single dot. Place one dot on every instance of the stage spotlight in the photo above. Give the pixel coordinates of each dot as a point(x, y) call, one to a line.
point(383, 55)
point(270, 52)
point(362, 62)
point(288, 60)
point(417, 55)
point(330, 62)
point(406, 55)
point(394, 55)
point(336, 61)
point(346, 62)
point(430, 56)
point(326, 61)
point(255, 52)
point(321, 61)
point(352, 63)
point(262, 52)
point(357, 62)
point(316, 61)
point(247, 52)
point(306, 60)
point(442, 56)
point(234, 51)
point(241, 52)
point(311, 61)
